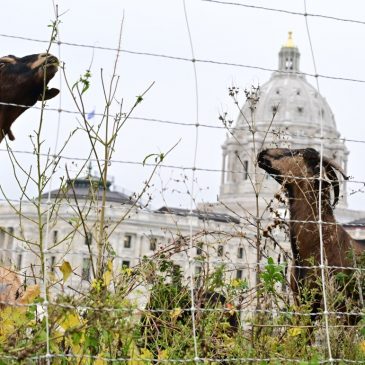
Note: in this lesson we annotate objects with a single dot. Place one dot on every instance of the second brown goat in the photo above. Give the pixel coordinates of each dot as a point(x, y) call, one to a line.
point(297, 170)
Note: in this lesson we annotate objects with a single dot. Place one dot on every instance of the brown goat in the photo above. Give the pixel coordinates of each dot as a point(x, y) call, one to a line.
point(298, 172)
point(23, 81)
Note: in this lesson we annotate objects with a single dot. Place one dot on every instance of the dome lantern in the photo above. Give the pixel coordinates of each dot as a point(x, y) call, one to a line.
point(289, 56)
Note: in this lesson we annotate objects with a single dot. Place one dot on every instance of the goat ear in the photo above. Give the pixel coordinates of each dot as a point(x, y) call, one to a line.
point(49, 94)
point(310, 154)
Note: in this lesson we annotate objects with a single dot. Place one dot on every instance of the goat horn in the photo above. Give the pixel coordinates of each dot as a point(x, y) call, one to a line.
point(6, 59)
point(336, 166)
point(334, 182)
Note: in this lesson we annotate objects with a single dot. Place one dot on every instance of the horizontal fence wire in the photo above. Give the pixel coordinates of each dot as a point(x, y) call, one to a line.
point(203, 215)
point(229, 263)
point(142, 310)
point(179, 361)
point(185, 59)
point(162, 165)
point(234, 129)
point(284, 11)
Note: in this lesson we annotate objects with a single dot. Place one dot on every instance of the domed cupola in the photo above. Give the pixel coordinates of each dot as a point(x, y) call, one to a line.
point(289, 56)
point(288, 112)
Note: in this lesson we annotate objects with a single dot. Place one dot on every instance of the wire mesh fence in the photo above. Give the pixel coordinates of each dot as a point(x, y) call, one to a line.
point(91, 274)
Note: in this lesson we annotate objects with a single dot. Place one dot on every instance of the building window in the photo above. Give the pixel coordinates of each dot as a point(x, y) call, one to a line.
point(239, 274)
point(55, 236)
point(2, 237)
point(300, 109)
point(245, 170)
point(220, 251)
point(240, 252)
point(10, 238)
point(88, 238)
point(126, 264)
point(53, 263)
point(85, 273)
point(19, 261)
point(153, 243)
point(199, 248)
point(274, 109)
point(289, 63)
point(127, 242)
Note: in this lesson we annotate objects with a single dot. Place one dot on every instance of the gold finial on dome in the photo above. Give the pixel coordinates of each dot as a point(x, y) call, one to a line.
point(289, 43)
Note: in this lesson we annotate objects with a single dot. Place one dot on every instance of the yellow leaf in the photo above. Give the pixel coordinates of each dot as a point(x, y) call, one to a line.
point(139, 357)
point(133, 354)
point(107, 278)
point(235, 283)
point(110, 265)
point(30, 294)
point(295, 331)
point(175, 313)
point(11, 318)
point(127, 270)
point(163, 355)
point(100, 361)
point(66, 270)
point(146, 354)
point(71, 320)
point(362, 346)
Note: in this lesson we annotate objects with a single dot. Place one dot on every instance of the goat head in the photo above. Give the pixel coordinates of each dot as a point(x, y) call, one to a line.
point(288, 166)
point(23, 81)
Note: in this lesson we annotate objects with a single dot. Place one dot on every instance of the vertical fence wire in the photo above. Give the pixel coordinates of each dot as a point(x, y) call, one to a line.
point(49, 204)
point(192, 189)
point(320, 222)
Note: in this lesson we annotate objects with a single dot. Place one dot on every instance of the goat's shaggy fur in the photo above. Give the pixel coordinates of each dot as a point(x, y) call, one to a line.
point(23, 81)
point(298, 172)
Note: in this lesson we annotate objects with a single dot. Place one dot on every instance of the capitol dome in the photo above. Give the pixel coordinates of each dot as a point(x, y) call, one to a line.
point(293, 100)
point(286, 111)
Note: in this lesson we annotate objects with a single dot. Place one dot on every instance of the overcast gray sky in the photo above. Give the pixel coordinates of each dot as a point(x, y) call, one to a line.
point(223, 33)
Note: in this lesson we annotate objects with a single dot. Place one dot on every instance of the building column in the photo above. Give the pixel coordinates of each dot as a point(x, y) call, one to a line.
point(344, 184)
point(223, 176)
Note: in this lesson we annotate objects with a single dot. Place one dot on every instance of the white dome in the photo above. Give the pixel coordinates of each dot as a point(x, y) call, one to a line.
point(286, 111)
point(293, 101)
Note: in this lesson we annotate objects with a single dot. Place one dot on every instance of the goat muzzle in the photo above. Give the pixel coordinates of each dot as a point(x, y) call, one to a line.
point(262, 159)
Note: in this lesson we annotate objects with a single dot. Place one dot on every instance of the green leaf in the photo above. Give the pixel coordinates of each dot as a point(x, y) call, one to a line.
point(147, 157)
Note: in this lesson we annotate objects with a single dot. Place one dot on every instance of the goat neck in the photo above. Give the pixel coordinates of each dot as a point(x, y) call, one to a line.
point(304, 213)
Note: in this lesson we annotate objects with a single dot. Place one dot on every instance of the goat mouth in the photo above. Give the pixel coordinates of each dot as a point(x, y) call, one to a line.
point(52, 59)
point(265, 164)
point(263, 161)
point(51, 62)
